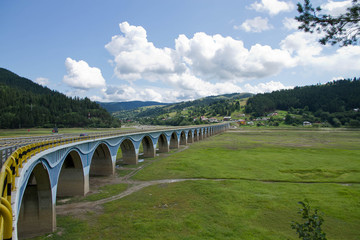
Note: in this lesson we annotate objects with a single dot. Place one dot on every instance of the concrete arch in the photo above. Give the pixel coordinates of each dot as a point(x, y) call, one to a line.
point(201, 134)
point(101, 162)
point(37, 213)
point(190, 137)
point(196, 135)
point(163, 144)
point(183, 140)
point(128, 152)
point(148, 147)
point(71, 180)
point(174, 141)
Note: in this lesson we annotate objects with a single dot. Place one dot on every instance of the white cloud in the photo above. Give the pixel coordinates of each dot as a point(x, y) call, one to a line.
point(200, 66)
point(336, 8)
point(273, 7)
point(258, 24)
point(135, 56)
point(224, 58)
point(197, 67)
point(42, 81)
point(307, 51)
point(265, 87)
point(80, 75)
point(290, 23)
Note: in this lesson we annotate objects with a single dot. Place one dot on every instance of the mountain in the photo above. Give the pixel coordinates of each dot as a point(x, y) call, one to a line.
point(25, 104)
point(118, 106)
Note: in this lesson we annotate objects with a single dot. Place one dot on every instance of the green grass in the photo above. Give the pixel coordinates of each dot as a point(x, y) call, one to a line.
point(272, 156)
point(265, 173)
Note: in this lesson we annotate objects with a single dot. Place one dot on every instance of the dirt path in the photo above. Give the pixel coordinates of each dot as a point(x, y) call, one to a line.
point(83, 207)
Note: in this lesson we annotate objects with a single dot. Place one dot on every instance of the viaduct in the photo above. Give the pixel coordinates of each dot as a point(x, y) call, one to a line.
point(34, 175)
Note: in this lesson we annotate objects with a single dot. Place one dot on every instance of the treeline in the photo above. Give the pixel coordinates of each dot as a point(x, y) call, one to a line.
point(25, 104)
point(334, 102)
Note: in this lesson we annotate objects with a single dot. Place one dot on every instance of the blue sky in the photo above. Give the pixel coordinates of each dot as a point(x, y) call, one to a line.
point(167, 51)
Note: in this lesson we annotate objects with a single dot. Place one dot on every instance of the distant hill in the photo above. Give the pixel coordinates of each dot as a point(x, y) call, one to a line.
point(25, 104)
point(336, 103)
point(118, 106)
point(183, 113)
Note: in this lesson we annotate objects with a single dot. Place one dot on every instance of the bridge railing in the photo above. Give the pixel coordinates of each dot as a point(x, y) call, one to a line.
point(10, 169)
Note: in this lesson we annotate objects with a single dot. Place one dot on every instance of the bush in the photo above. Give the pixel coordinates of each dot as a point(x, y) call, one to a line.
point(311, 228)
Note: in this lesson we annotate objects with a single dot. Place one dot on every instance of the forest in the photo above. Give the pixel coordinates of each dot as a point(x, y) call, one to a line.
point(335, 102)
point(25, 104)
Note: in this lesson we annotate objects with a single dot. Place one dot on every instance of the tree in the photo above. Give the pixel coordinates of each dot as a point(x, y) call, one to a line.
point(311, 228)
point(343, 29)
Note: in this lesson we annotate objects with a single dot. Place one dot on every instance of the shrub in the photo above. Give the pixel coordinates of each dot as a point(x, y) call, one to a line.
point(311, 228)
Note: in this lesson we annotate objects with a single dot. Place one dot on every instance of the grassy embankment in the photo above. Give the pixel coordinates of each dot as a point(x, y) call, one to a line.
point(266, 173)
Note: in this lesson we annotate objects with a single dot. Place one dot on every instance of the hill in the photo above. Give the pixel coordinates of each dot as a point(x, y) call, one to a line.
point(335, 102)
point(25, 104)
point(184, 113)
point(119, 106)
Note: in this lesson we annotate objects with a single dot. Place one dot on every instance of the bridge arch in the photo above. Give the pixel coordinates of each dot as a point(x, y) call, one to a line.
point(200, 134)
point(71, 181)
point(190, 137)
point(163, 143)
point(101, 162)
point(174, 141)
point(37, 212)
point(148, 147)
point(128, 150)
point(183, 140)
point(196, 136)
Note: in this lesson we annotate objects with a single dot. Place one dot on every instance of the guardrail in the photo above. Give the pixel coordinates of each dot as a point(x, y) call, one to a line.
point(16, 156)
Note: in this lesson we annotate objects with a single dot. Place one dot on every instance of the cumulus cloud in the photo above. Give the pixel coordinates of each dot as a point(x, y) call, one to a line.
point(42, 81)
point(273, 7)
point(202, 57)
point(196, 67)
point(258, 24)
point(135, 56)
point(307, 51)
point(224, 58)
point(81, 76)
point(336, 8)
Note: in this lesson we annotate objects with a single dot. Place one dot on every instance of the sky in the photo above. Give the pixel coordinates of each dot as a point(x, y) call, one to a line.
point(167, 51)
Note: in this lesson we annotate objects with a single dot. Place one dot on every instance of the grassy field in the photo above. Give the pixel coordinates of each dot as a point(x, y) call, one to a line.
point(244, 185)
